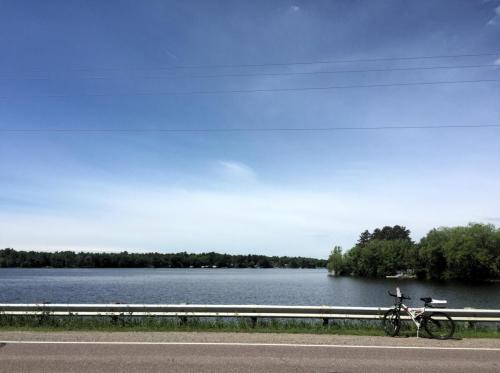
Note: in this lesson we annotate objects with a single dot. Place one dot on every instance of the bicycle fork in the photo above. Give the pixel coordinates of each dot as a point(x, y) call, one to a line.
point(418, 323)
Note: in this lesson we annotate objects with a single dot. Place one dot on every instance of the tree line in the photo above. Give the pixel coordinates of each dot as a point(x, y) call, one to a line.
point(71, 259)
point(469, 252)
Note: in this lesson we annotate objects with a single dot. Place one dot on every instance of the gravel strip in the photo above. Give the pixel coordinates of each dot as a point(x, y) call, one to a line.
point(242, 338)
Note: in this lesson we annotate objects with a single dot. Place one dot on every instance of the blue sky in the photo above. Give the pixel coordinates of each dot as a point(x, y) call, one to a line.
point(95, 64)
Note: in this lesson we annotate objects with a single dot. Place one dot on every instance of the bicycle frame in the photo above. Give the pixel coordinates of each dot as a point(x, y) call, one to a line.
point(419, 315)
point(416, 314)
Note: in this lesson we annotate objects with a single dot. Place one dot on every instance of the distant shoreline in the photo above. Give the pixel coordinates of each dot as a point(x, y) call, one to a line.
point(10, 258)
point(250, 268)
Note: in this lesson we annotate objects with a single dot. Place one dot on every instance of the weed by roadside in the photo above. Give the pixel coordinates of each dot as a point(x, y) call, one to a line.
point(152, 324)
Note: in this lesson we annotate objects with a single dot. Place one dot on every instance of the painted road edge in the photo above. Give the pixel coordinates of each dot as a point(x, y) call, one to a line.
point(243, 344)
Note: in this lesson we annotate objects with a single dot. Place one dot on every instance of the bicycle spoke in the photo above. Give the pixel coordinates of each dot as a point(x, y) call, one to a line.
point(391, 323)
point(439, 325)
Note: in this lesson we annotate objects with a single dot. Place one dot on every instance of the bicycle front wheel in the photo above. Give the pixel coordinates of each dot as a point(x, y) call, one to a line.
point(439, 325)
point(392, 323)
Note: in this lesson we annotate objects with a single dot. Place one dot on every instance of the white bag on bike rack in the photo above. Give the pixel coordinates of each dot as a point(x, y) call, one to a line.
point(438, 303)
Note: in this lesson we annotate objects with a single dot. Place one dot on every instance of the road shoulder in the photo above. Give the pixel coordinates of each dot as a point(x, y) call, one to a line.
point(249, 338)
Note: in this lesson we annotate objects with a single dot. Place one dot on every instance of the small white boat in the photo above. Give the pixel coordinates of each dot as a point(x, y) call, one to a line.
point(402, 275)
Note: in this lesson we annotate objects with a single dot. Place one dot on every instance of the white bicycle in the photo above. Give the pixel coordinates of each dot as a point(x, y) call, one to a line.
point(437, 324)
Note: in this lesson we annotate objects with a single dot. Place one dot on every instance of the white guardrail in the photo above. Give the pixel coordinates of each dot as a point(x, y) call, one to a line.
point(252, 311)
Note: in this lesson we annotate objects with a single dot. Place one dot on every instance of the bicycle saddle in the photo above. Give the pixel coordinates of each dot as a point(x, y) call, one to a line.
point(426, 299)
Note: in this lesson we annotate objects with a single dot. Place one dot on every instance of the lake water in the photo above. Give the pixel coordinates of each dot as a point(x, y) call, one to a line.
point(227, 286)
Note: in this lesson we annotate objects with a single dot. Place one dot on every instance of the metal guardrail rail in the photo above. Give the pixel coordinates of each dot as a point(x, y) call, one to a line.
point(208, 310)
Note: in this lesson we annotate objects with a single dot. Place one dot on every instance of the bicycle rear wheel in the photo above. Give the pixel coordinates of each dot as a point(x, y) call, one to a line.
point(391, 323)
point(439, 325)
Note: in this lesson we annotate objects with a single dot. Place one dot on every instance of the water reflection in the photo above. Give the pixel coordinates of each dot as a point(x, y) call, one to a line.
point(228, 286)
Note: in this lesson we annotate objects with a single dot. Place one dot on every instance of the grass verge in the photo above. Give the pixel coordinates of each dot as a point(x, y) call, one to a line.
point(166, 324)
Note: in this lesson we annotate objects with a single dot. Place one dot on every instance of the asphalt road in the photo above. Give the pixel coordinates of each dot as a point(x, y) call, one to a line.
point(123, 354)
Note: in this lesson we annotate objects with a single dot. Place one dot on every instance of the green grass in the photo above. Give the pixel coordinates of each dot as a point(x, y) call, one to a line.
point(170, 324)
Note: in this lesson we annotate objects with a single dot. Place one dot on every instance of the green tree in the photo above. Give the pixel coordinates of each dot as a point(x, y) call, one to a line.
point(364, 238)
point(396, 232)
point(469, 253)
point(336, 261)
point(379, 258)
point(383, 252)
point(31, 259)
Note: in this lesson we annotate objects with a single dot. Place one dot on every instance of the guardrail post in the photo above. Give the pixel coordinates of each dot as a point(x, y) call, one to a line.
point(118, 319)
point(470, 324)
point(4, 318)
point(254, 321)
point(325, 321)
point(44, 315)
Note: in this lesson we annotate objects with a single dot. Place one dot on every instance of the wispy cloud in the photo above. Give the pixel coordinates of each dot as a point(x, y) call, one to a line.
point(295, 8)
point(263, 218)
point(237, 171)
point(496, 19)
point(497, 61)
point(494, 219)
point(170, 53)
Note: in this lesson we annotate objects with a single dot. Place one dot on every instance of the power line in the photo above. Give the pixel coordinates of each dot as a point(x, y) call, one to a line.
point(334, 61)
point(337, 61)
point(235, 91)
point(233, 130)
point(425, 68)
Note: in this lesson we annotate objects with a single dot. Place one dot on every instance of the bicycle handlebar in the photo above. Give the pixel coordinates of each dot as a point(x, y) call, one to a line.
point(395, 296)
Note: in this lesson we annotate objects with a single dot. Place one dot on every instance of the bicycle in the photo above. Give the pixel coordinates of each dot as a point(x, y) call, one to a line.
point(437, 324)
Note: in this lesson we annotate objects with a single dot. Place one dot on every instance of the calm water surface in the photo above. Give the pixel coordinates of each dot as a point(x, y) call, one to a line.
point(226, 286)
